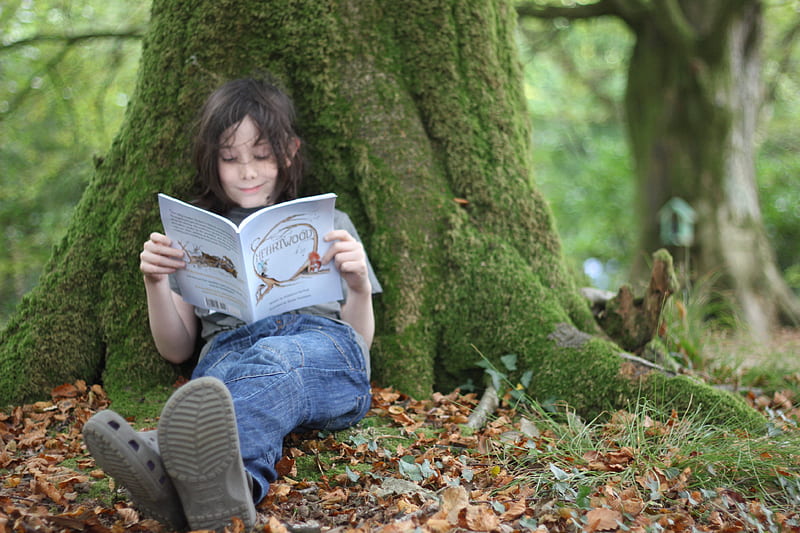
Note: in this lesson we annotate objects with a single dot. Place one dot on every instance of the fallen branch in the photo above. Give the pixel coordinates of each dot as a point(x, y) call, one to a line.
point(488, 405)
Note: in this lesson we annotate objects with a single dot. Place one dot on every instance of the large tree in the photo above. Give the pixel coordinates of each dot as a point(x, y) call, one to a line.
point(692, 102)
point(405, 107)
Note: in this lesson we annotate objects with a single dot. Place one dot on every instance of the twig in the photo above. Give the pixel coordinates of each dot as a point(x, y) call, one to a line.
point(130, 33)
point(488, 404)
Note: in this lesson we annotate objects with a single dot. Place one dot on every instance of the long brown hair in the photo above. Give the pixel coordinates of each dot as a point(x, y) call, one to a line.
point(274, 115)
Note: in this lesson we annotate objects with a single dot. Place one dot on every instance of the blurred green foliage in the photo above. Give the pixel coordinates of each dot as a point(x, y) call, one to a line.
point(778, 169)
point(575, 80)
point(61, 102)
point(67, 70)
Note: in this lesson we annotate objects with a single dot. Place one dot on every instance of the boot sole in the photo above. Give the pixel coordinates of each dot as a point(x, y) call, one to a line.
point(126, 457)
point(199, 444)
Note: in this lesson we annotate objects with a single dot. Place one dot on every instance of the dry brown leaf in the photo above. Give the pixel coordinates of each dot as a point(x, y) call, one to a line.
point(453, 500)
point(129, 515)
point(5, 458)
point(406, 507)
point(280, 489)
point(286, 467)
point(66, 390)
point(515, 510)
point(631, 501)
point(481, 518)
point(405, 526)
point(602, 519)
point(438, 525)
point(333, 497)
point(274, 526)
point(237, 526)
point(39, 485)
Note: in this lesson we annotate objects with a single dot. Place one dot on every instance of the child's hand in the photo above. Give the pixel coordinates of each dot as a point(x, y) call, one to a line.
point(350, 259)
point(159, 258)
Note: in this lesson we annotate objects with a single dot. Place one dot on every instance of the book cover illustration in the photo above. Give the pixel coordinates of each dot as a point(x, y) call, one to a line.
point(199, 258)
point(289, 250)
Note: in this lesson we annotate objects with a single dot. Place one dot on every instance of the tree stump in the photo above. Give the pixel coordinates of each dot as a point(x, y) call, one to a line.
point(632, 322)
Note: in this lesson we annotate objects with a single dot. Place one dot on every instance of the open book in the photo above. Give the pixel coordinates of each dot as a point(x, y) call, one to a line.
point(267, 265)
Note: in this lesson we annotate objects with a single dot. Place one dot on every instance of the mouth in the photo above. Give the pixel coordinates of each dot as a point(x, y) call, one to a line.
point(251, 190)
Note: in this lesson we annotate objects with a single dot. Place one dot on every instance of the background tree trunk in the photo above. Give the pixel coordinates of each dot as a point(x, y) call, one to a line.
point(404, 107)
point(693, 97)
point(692, 115)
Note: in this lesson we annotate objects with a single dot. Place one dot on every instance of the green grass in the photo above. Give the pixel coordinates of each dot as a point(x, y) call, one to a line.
point(735, 360)
point(569, 459)
point(690, 315)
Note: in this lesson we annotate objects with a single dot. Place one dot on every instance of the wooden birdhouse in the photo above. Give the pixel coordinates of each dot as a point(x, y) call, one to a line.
point(677, 219)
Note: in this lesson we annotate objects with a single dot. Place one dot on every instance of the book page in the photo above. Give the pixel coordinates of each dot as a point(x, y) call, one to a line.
point(214, 277)
point(285, 245)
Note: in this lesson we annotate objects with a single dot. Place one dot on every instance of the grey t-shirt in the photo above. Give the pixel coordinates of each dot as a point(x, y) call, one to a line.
point(215, 322)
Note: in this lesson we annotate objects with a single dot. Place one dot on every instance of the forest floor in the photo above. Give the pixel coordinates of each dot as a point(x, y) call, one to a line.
point(413, 465)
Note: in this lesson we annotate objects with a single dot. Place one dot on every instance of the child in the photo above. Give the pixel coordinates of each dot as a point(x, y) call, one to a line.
point(220, 435)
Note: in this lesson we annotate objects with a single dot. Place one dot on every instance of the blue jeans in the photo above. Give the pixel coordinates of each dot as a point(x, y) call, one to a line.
point(286, 373)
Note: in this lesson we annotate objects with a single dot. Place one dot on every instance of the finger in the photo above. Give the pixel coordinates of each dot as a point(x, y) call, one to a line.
point(162, 248)
point(355, 275)
point(150, 258)
point(338, 234)
point(343, 247)
point(350, 256)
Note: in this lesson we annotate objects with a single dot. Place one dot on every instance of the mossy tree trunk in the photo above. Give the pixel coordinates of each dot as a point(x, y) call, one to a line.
point(692, 102)
point(406, 106)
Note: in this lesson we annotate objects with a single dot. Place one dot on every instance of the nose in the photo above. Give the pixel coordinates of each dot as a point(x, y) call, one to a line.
point(248, 170)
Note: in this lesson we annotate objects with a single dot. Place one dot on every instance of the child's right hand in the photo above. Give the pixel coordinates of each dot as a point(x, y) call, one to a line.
point(159, 258)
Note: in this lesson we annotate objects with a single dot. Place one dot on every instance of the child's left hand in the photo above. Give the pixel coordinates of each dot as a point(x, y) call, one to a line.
point(350, 259)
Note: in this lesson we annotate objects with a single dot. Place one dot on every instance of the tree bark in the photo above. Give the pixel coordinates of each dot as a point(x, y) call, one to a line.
point(405, 106)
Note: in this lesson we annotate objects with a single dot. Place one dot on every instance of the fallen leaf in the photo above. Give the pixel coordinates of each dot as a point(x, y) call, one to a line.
point(481, 518)
point(274, 526)
point(602, 519)
point(515, 510)
point(438, 525)
point(286, 467)
point(129, 516)
point(66, 390)
point(453, 500)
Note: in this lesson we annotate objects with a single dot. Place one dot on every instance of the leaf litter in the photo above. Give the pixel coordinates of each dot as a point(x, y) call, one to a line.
point(411, 466)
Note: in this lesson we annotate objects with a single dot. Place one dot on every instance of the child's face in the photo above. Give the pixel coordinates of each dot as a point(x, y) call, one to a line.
point(247, 168)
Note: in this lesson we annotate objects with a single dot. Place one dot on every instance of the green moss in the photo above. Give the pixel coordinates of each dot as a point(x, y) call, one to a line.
point(100, 489)
point(312, 467)
point(140, 400)
point(685, 394)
